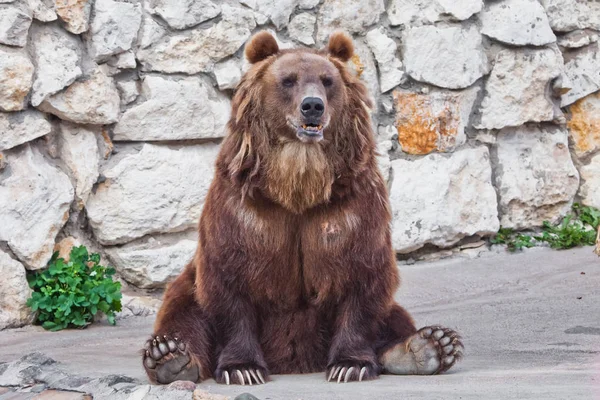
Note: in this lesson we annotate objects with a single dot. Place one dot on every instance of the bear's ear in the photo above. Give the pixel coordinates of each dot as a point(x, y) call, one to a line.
point(340, 46)
point(261, 46)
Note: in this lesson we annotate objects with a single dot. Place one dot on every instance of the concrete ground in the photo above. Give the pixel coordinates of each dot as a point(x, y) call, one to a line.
point(530, 323)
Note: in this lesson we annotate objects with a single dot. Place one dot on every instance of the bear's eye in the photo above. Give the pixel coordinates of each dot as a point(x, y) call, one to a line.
point(327, 81)
point(289, 81)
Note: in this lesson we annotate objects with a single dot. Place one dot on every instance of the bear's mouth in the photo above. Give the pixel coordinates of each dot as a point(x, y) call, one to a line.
point(310, 133)
point(310, 128)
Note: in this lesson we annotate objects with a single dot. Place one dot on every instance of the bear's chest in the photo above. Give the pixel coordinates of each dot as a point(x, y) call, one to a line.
point(298, 259)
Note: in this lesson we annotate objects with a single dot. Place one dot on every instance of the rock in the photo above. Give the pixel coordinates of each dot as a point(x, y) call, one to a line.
point(433, 122)
point(200, 394)
point(362, 65)
point(440, 199)
point(187, 108)
point(154, 262)
point(16, 77)
point(352, 16)
point(129, 91)
point(450, 57)
point(56, 57)
point(150, 32)
point(582, 67)
point(65, 246)
point(383, 161)
point(21, 127)
point(124, 60)
point(34, 205)
point(14, 25)
point(421, 12)
point(590, 188)
point(14, 292)
point(517, 22)
point(140, 306)
point(114, 27)
point(308, 4)
point(302, 28)
point(52, 394)
point(198, 50)
point(278, 11)
point(568, 15)
point(42, 10)
point(126, 207)
point(182, 14)
point(183, 385)
point(75, 14)
point(584, 124)
point(246, 396)
point(516, 91)
point(535, 176)
point(260, 19)
point(384, 49)
point(578, 38)
point(94, 100)
point(228, 74)
point(79, 151)
point(26, 371)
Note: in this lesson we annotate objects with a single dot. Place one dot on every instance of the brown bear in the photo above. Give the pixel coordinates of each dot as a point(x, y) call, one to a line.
point(294, 270)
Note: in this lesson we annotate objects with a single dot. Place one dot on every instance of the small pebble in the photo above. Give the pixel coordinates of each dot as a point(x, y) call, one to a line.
point(246, 396)
point(38, 388)
point(183, 385)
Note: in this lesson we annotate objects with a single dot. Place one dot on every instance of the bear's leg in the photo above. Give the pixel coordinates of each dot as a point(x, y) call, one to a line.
point(181, 344)
point(240, 360)
point(431, 350)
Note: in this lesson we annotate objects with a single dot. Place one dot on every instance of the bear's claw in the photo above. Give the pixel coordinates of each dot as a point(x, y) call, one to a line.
point(249, 375)
point(349, 372)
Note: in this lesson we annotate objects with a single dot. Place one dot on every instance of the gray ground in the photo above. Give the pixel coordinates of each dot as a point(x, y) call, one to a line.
point(530, 323)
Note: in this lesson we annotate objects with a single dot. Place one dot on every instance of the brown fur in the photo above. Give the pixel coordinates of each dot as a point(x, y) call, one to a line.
point(294, 270)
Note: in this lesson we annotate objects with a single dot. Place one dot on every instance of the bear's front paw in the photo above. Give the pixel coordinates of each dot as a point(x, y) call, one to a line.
point(352, 371)
point(241, 374)
point(166, 360)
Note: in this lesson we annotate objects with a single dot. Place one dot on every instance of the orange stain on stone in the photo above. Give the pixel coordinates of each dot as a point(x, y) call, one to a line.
point(424, 124)
point(584, 125)
point(359, 67)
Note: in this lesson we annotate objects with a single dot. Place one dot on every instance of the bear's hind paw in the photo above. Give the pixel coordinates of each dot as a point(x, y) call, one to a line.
point(432, 350)
point(166, 360)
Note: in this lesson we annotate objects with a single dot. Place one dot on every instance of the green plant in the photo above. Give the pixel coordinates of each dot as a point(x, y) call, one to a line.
point(512, 240)
point(520, 242)
point(576, 229)
point(588, 215)
point(70, 294)
point(503, 236)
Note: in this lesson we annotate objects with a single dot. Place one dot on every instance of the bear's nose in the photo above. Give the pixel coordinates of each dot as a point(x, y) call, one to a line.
point(312, 107)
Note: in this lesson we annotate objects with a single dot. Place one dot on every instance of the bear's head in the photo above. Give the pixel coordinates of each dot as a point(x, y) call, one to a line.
point(302, 90)
point(300, 122)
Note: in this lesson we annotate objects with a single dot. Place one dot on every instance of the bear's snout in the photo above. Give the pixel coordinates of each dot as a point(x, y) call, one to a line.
point(312, 109)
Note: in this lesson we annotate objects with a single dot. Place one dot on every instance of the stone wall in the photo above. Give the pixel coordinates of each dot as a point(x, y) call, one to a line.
point(111, 114)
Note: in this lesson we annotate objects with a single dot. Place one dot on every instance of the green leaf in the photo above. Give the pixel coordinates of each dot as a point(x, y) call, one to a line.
point(69, 294)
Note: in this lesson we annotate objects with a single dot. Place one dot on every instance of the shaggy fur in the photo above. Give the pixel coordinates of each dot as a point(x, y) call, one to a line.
point(294, 270)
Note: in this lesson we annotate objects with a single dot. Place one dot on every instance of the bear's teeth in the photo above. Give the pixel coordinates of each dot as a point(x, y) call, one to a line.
point(312, 128)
